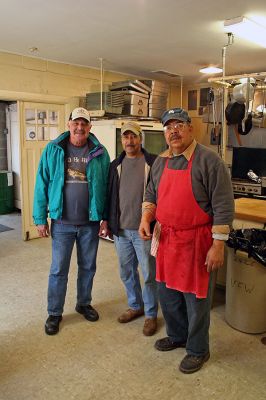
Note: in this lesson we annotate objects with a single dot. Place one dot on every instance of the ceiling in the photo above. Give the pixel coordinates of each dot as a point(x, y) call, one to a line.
point(133, 36)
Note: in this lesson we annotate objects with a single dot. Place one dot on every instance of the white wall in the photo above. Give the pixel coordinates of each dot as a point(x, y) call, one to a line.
point(13, 151)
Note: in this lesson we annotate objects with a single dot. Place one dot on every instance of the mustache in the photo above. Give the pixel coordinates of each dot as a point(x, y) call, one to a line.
point(175, 136)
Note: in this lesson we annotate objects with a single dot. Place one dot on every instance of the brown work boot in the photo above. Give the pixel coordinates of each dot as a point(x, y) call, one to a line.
point(191, 364)
point(129, 315)
point(150, 326)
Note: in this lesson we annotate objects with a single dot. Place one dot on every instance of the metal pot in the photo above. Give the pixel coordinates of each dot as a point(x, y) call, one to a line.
point(243, 92)
point(234, 113)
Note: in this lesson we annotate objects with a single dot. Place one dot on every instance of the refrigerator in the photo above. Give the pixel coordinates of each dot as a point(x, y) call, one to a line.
point(108, 133)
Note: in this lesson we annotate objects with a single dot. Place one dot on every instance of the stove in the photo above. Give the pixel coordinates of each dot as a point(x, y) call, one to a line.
point(248, 187)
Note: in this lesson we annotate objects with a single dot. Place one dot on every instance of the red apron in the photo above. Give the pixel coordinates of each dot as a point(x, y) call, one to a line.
point(185, 234)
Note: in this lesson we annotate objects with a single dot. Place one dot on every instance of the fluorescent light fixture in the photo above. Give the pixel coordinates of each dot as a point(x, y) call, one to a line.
point(211, 70)
point(246, 29)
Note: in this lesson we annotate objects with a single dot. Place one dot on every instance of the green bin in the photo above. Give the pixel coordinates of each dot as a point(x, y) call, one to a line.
point(6, 192)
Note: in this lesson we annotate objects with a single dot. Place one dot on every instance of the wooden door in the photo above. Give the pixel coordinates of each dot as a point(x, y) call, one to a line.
point(39, 123)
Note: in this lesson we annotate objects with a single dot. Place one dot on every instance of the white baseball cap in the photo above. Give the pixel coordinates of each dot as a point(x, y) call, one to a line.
point(80, 113)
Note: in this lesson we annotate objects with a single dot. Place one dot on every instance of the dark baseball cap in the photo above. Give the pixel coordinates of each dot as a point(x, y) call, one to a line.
point(175, 113)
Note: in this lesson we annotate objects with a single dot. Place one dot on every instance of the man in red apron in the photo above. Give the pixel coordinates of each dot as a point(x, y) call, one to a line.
point(190, 195)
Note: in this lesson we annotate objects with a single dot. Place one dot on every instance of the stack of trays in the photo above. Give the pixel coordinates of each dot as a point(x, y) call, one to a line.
point(135, 103)
point(112, 102)
point(135, 94)
point(158, 97)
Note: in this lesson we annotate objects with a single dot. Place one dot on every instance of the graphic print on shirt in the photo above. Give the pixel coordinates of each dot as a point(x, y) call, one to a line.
point(76, 169)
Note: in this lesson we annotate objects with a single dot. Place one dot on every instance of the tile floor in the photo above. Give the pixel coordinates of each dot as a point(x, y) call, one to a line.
point(105, 360)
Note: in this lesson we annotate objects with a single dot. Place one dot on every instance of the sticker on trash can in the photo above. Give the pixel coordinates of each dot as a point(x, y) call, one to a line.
point(9, 179)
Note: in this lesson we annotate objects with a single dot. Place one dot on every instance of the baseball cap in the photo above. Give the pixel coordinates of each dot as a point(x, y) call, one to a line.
point(80, 113)
point(132, 127)
point(175, 113)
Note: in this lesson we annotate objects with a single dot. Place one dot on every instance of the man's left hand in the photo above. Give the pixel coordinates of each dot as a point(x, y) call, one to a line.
point(103, 232)
point(215, 256)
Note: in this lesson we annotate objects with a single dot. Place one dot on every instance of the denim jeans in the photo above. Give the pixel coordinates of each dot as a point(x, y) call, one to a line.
point(187, 318)
point(133, 251)
point(63, 238)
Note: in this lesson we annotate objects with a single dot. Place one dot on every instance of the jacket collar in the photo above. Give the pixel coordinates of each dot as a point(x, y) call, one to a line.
point(62, 140)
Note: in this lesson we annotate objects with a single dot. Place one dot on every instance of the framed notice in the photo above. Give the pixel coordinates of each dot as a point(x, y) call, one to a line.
point(204, 96)
point(192, 100)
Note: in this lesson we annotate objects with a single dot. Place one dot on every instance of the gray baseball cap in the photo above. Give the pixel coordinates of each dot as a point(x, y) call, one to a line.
point(175, 113)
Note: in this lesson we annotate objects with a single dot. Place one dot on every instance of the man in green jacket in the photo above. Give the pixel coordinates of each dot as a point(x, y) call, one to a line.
point(71, 185)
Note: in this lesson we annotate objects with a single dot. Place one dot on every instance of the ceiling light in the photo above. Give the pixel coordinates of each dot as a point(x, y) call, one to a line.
point(246, 29)
point(211, 70)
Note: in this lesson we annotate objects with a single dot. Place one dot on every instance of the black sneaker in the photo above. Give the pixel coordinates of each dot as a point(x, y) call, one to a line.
point(52, 324)
point(88, 311)
point(166, 344)
point(191, 364)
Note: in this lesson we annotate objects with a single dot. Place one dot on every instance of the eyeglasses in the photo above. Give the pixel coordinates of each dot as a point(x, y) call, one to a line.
point(179, 125)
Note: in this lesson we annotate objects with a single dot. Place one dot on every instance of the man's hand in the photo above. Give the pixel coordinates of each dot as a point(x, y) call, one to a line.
point(104, 231)
point(43, 230)
point(144, 230)
point(215, 256)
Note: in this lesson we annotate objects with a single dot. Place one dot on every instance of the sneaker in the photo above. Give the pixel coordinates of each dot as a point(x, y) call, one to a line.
point(52, 324)
point(130, 314)
point(167, 344)
point(150, 326)
point(191, 364)
point(88, 311)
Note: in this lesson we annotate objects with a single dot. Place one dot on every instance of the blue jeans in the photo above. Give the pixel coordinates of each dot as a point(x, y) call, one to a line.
point(187, 318)
point(133, 251)
point(63, 238)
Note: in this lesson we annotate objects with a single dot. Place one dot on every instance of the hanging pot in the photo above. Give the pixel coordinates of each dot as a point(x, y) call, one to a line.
point(234, 113)
point(243, 92)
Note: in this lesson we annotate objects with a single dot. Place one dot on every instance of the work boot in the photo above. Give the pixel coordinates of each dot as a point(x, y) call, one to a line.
point(52, 324)
point(150, 326)
point(129, 315)
point(89, 313)
point(191, 364)
point(167, 344)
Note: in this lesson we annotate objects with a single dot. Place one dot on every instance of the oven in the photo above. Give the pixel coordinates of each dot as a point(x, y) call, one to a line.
point(249, 172)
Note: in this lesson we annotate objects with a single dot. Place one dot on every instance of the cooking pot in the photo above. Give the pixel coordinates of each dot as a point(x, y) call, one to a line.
point(243, 92)
point(234, 113)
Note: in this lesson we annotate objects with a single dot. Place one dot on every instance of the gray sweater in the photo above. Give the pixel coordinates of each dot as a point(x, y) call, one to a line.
point(211, 183)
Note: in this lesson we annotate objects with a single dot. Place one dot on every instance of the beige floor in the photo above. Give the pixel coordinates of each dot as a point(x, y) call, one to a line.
point(105, 360)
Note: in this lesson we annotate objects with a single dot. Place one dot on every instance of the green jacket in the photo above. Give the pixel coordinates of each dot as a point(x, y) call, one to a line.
point(48, 193)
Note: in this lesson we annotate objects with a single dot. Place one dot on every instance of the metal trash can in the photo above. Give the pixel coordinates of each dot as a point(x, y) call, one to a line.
point(6, 192)
point(245, 308)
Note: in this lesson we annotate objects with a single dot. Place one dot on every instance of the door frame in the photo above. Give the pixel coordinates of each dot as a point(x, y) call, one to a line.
point(68, 102)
